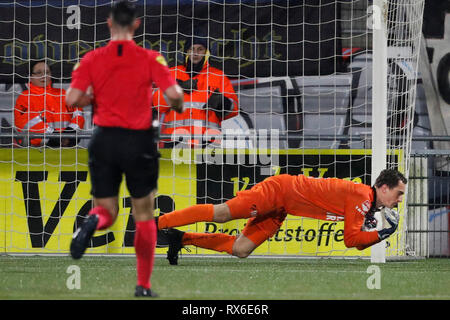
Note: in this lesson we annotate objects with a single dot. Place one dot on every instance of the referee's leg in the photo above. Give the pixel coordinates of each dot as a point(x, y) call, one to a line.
point(144, 241)
point(111, 204)
point(142, 208)
point(100, 217)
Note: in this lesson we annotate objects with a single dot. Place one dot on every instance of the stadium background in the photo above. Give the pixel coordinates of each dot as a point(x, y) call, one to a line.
point(255, 58)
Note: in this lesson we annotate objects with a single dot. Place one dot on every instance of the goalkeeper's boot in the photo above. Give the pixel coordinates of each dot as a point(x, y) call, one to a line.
point(175, 245)
point(142, 292)
point(162, 236)
point(82, 236)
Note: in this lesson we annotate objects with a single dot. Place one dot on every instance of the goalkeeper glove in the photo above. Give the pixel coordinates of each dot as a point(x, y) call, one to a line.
point(392, 218)
point(370, 222)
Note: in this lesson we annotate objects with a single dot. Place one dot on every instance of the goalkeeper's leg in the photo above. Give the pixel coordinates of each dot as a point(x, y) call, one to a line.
point(240, 207)
point(219, 242)
point(239, 246)
point(197, 213)
point(262, 198)
point(256, 231)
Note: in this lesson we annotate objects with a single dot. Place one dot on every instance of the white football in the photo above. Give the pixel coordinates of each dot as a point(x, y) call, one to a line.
point(390, 214)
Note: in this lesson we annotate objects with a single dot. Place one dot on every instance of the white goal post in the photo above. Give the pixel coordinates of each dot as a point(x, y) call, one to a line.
point(397, 29)
point(379, 107)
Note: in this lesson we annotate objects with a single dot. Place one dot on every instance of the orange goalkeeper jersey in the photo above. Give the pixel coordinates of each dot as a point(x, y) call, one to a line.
point(320, 198)
point(332, 199)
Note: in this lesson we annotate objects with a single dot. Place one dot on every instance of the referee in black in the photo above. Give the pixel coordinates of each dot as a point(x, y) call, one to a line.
point(117, 80)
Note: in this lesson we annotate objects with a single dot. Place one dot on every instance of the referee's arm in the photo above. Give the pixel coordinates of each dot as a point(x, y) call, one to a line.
point(175, 96)
point(76, 98)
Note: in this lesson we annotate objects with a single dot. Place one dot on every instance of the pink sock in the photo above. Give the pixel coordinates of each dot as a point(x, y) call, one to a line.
point(104, 217)
point(144, 245)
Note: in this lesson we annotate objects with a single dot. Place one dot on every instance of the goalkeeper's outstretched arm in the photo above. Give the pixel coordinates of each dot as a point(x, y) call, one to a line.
point(388, 192)
point(353, 234)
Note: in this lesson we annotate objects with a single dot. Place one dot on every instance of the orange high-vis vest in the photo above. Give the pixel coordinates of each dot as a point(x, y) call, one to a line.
point(196, 118)
point(44, 110)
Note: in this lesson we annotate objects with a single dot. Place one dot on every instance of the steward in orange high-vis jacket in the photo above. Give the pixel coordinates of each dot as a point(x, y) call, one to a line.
point(209, 97)
point(42, 109)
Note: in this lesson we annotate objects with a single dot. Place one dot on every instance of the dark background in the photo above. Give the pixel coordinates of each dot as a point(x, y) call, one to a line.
point(247, 38)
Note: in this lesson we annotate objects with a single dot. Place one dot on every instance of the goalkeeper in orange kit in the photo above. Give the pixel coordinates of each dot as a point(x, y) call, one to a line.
point(267, 203)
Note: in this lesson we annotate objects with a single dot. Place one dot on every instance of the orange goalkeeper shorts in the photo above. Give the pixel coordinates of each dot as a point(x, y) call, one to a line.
point(263, 206)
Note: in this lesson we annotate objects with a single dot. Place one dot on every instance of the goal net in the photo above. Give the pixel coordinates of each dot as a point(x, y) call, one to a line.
point(302, 73)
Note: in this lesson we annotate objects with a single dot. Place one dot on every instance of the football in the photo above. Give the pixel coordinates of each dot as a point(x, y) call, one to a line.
point(389, 215)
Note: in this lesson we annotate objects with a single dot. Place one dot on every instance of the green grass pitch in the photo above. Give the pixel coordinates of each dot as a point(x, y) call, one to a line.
point(199, 278)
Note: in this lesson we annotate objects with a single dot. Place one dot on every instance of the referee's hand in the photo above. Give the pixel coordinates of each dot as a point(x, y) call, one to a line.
point(175, 96)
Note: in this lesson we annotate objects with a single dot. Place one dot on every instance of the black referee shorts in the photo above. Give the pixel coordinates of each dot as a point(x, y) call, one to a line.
point(117, 151)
